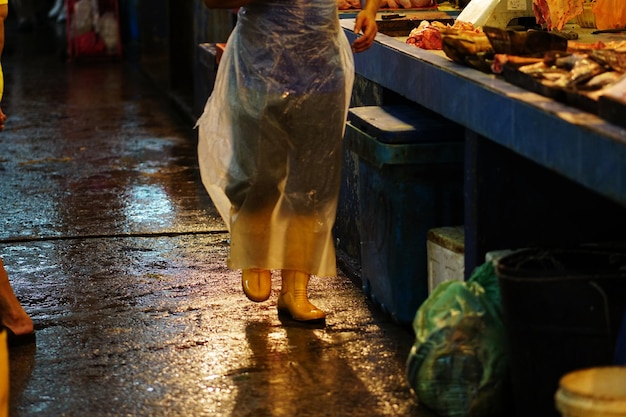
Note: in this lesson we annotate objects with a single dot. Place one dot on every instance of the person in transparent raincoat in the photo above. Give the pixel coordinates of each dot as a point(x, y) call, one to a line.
point(270, 137)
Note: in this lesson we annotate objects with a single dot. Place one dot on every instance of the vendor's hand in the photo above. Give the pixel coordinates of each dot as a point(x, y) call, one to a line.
point(365, 24)
point(3, 118)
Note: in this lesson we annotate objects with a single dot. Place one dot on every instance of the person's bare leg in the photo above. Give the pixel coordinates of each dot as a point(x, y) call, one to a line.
point(12, 314)
point(293, 297)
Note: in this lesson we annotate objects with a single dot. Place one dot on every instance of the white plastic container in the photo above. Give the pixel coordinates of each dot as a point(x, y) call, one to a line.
point(496, 13)
point(593, 392)
point(445, 248)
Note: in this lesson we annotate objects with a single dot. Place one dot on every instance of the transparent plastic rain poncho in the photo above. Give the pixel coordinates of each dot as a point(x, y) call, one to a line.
point(271, 133)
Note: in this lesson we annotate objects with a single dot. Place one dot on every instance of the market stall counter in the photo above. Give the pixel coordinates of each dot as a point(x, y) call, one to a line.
point(537, 171)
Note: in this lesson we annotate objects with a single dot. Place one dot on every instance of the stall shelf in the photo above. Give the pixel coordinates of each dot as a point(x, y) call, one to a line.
point(525, 153)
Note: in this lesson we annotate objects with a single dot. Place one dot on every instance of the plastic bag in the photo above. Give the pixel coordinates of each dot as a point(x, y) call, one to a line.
point(458, 365)
point(610, 14)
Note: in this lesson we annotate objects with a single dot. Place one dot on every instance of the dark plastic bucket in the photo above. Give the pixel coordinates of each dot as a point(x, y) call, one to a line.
point(410, 180)
point(562, 310)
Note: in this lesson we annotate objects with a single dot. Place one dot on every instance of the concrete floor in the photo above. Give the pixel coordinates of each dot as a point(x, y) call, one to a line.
point(116, 252)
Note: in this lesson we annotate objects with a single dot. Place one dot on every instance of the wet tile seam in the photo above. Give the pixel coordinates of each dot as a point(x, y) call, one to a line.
point(112, 236)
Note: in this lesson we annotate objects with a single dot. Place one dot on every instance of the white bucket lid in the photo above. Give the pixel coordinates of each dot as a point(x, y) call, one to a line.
point(593, 392)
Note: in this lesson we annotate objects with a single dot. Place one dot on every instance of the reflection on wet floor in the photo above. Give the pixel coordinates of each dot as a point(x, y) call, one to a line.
point(115, 250)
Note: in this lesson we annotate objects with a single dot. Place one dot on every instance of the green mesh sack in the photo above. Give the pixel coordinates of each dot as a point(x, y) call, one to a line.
point(458, 365)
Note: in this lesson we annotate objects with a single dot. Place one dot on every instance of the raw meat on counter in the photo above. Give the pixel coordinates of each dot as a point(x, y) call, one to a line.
point(616, 46)
point(617, 91)
point(391, 4)
point(429, 35)
point(469, 48)
point(544, 62)
point(348, 4)
point(500, 60)
point(610, 14)
point(399, 4)
point(422, 3)
point(588, 75)
point(568, 71)
point(409, 4)
point(556, 13)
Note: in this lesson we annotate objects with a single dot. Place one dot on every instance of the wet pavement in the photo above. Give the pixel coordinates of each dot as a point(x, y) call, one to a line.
point(115, 250)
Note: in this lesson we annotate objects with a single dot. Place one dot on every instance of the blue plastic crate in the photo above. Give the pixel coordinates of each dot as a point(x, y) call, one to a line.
point(405, 189)
point(346, 227)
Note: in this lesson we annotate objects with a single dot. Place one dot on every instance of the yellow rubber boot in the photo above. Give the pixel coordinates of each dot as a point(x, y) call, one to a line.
point(293, 298)
point(257, 284)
